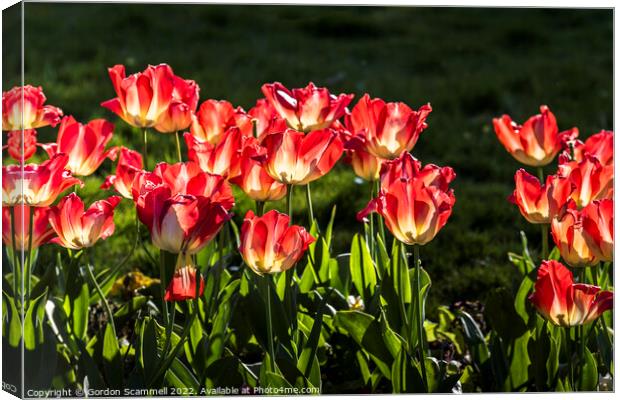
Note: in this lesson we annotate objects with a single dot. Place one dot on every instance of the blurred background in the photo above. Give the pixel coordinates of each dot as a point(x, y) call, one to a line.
point(471, 64)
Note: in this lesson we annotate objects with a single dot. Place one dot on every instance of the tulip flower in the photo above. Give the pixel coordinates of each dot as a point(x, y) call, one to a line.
point(37, 184)
point(33, 114)
point(564, 302)
point(539, 204)
point(78, 229)
point(254, 180)
point(388, 129)
point(183, 284)
point(591, 179)
point(269, 245)
point(214, 118)
point(294, 158)
point(365, 165)
point(267, 119)
point(306, 109)
point(407, 167)
point(142, 97)
point(15, 143)
point(216, 159)
point(599, 145)
point(184, 101)
point(567, 230)
point(598, 228)
point(42, 232)
point(129, 165)
point(180, 223)
point(186, 179)
point(84, 144)
point(537, 142)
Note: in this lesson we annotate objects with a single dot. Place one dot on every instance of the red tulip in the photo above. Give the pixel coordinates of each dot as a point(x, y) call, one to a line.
point(32, 115)
point(267, 119)
point(217, 159)
point(128, 167)
point(537, 142)
point(598, 228)
point(142, 97)
point(183, 284)
point(365, 165)
point(306, 109)
point(214, 118)
point(564, 302)
point(599, 145)
point(15, 143)
point(269, 244)
point(568, 233)
point(388, 129)
point(417, 204)
point(76, 228)
point(84, 144)
point(184, 101)
point(180, 223)
point(38, 184)
point(254, 180)
point(591, 179)
point(42, 232)
point(539, 204)
point(186, 179)
point(297, 159)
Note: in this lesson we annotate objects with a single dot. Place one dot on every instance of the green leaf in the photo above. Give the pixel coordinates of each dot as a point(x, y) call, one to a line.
point(15, 323)
point(522, 303)
point(77, 302)
point(588, 378)
point(112, 359)
point(363, 273)
point(179, 376)
point(474, 338)
point(405, 374)
point(501, 313)
point(33, 322)
point(149, 356)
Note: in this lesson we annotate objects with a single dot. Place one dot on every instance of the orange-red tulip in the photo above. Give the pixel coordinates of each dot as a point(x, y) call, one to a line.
point(183, 284)
point(591, 179)
point(598, 225)
point(599, 145)
point(269, 245)
point(539, 204)
point(267, 119)
point(214, 118)
point(15, 143)
point(184, 101)
point(78, 229)
point(306, 109)
point(415, 202)
point(180, 223)
point(388, 129)
point(568, 233)
point(537, 142)
point(42, 232)
point(141, 97)
point(38, 184)
point(84, 144)
point(254, 180)
point(365, 165)
point(129, 165)
point(33, 114)
point(219, 159)
point(564, 302)
point(296, 158)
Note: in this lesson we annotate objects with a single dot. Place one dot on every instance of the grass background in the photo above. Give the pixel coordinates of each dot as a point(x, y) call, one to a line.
point(471, 64)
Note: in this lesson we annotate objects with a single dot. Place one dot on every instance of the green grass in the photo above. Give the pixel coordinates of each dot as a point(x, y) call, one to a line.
point(471, 64)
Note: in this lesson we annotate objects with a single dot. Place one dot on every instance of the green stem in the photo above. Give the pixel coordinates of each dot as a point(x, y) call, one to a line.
point(581, 330)
point(266, 283)
point(372, 224)
point(309, 203)
point(176, 135)
point(541, 175)
point(289, 203)
point(16, 258)
point(260, 208)
point(29, 262)
point(544, 231)
point(106, 305)
point(162, 284)
point(379, 217)
point(145, 149)
point(420, 311)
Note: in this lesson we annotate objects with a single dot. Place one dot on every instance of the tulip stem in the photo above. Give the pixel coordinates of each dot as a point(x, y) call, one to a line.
point(289, 203)
point(544, 230)
point(379, 218)
point(581, 330)
point(372, 223)
point(260, 208)
point(541, 175)
point(309, 203)
point(162, 284)
point(420, 311)
point(106, 305)
point(266, 283)
point(29, 262)
point(145, 149)
point(176, 135)
point(16, 260)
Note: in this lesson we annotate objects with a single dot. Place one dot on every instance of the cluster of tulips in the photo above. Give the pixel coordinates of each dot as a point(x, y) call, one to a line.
point(289, 138)
point(576, 202)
